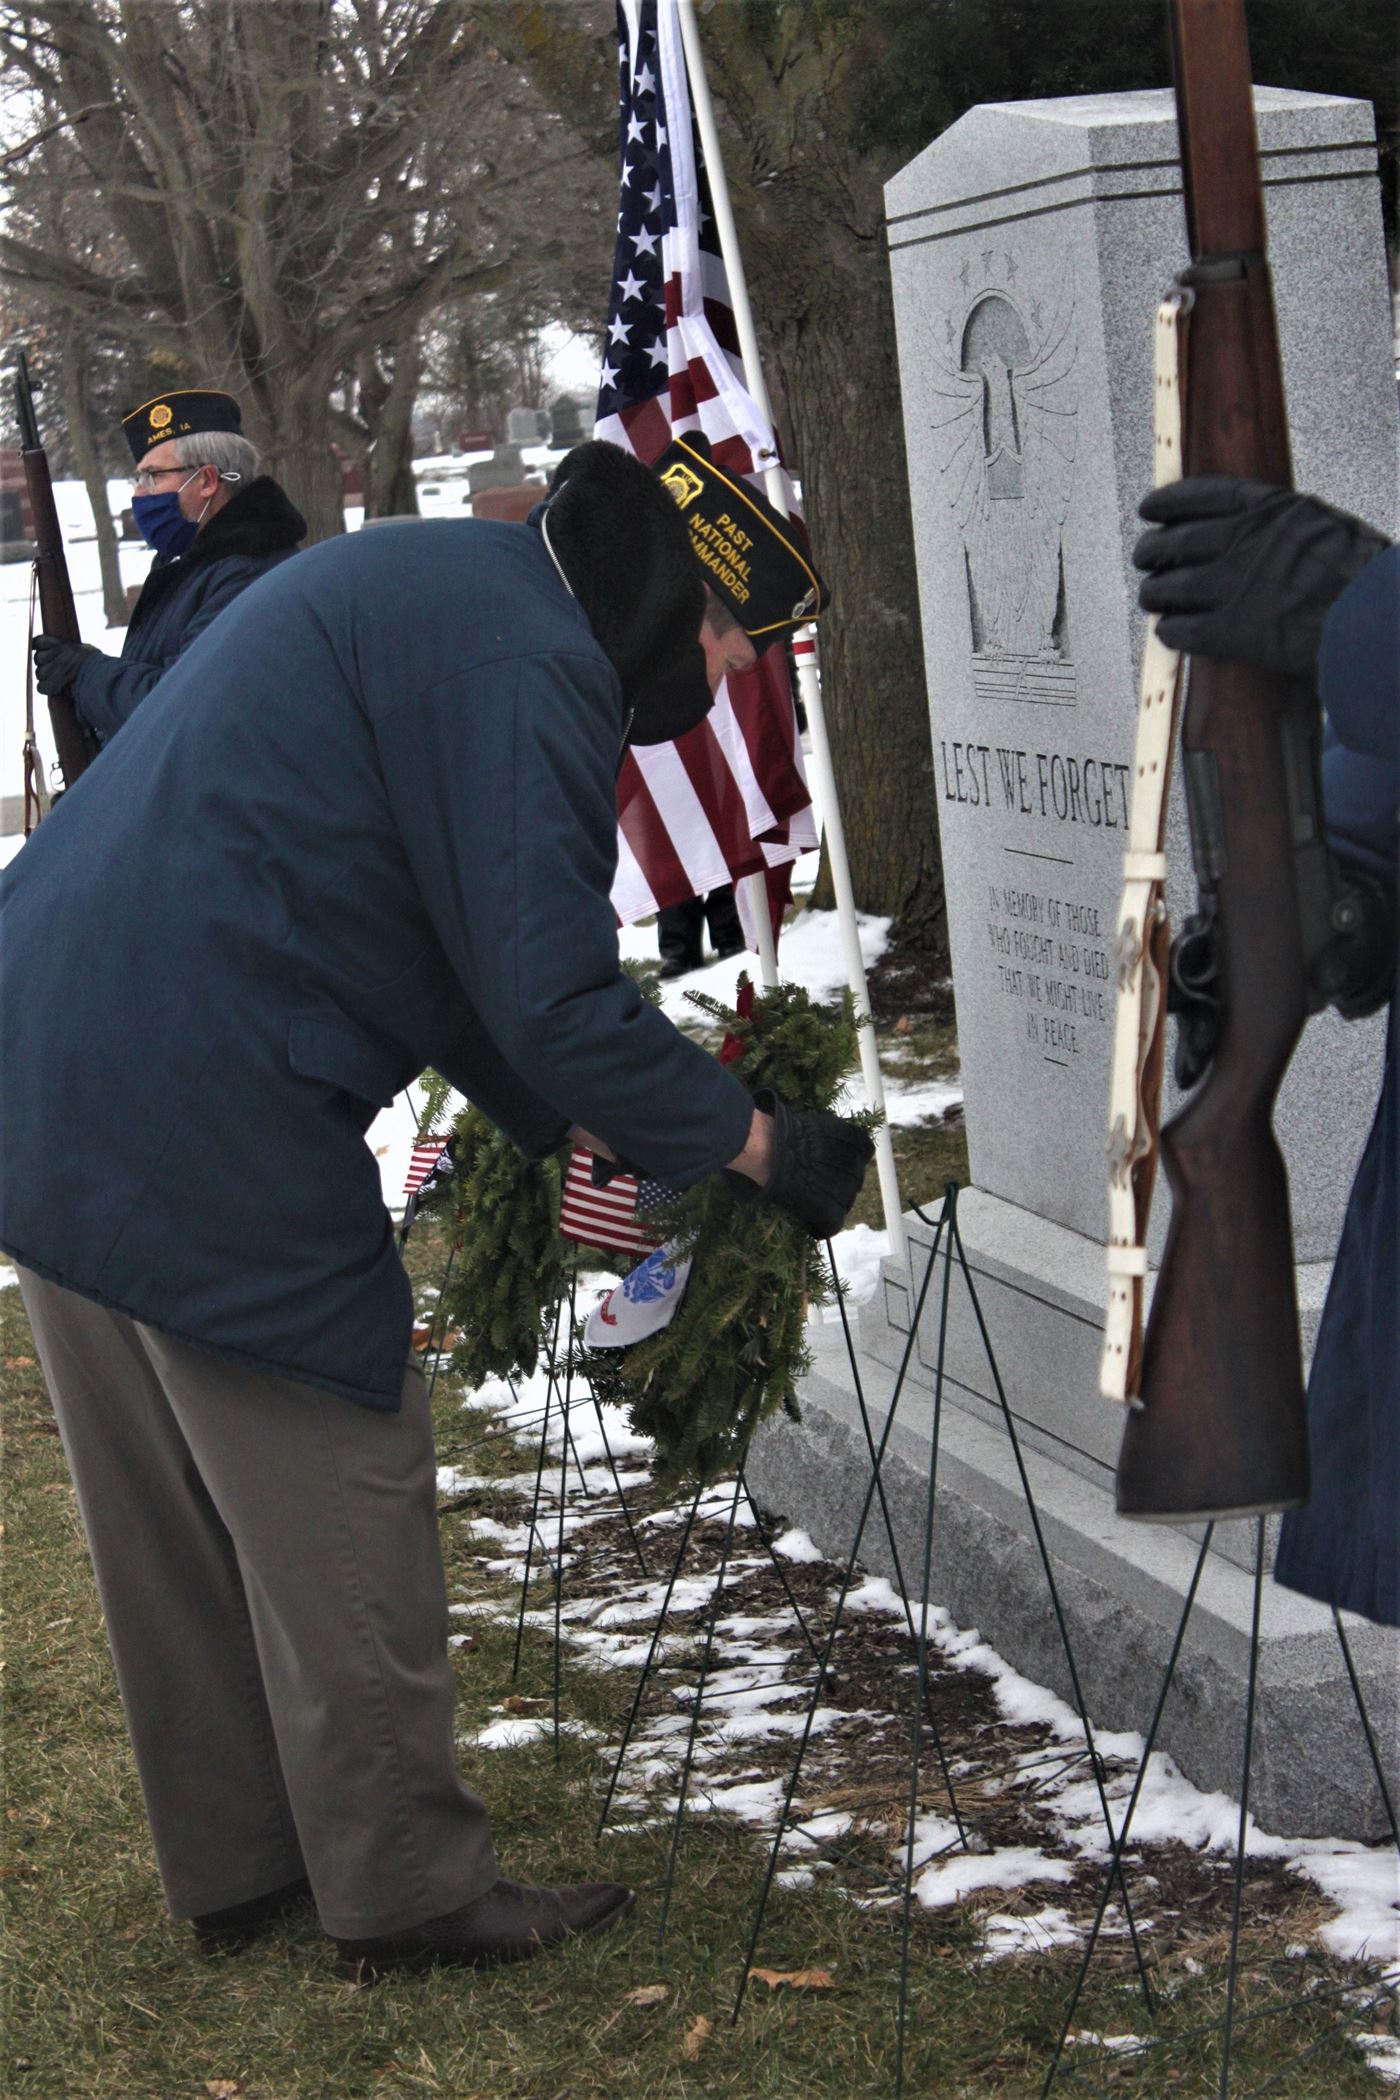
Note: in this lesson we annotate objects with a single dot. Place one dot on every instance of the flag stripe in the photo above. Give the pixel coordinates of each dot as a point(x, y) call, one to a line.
point(660, 874)
point(693, 839)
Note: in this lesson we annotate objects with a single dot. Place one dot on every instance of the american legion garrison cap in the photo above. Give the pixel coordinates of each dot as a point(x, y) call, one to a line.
point(181, 414)
point(754, 557)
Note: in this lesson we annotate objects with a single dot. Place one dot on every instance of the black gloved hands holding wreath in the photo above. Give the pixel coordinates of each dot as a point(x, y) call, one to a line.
point(808, 1162)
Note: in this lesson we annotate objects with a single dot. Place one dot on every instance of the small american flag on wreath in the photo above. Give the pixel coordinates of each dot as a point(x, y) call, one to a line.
point(613, 1218)
point(426, 1154)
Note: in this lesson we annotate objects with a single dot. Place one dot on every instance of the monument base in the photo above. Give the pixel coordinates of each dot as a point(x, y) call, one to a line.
point(1122, 1585)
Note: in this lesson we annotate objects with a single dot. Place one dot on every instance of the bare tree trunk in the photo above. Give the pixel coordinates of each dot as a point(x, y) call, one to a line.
point(293, 433)
point(390, 489)
point(90, 467)
point(846, 437)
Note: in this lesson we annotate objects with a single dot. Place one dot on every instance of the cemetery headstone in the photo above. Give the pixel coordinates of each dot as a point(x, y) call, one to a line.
point(569, 423)
point(527, 426)
point(503, 470)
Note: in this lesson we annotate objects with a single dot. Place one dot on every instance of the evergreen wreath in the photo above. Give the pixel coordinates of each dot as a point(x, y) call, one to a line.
point(736, 1349)
point(510, 1266)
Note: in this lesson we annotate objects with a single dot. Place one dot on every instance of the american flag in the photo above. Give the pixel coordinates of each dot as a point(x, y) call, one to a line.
point(731, 798)
point(613, 1217)
point(426, 1154)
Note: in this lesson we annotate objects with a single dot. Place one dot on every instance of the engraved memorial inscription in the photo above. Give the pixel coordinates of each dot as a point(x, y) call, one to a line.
point(1009, 435)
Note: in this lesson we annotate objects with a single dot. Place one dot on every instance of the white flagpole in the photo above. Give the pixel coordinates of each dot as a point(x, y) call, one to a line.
point(755, 888)
point(805, 644)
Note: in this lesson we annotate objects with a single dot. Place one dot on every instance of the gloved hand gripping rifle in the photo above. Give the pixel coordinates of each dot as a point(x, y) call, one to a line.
point(75, 744)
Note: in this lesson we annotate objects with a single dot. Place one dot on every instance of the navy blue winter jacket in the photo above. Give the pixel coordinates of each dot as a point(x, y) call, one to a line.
point(367, 825)
point(1344, 1545)
point(256, 529)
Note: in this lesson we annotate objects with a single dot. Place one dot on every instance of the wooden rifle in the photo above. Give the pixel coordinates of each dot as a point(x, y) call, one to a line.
point(74, 742)
point(1218, 1425)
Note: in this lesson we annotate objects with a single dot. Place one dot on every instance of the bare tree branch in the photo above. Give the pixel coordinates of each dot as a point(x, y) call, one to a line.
point(27, 146)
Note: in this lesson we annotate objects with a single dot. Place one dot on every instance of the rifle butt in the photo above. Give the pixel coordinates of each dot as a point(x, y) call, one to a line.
point(1222, 1428)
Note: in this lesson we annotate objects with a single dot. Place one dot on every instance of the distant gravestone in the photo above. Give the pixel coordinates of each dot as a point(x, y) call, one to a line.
point(15, 542)
point(352, 480)
point(1029, 246)
point(511, 506)
point(569, 422)
point(16, 520)
point(527, 426)
point(503, 470)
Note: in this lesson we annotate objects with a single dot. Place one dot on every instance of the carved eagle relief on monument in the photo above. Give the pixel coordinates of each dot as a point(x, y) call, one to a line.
point(1009, 438)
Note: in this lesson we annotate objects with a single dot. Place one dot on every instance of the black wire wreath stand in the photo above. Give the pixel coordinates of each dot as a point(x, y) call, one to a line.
point(1226, 2026)
point(566, 1369)
point(555, 1393)
point(947, 1239)
point(926, 1715)
point(558, 1392)
point(650, 1666)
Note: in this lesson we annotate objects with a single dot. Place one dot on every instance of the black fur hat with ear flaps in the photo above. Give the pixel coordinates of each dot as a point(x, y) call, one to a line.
point(624, 547)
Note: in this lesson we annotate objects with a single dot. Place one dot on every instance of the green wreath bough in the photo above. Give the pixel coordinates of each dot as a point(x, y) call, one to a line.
point(736, 1350)
point(511, 1267)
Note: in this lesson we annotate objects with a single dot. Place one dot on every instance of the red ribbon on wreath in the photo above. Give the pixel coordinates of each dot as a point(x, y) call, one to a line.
point(733, 1047)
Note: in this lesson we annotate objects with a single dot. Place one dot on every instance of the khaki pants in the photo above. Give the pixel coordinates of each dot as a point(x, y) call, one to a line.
point(267, 1558)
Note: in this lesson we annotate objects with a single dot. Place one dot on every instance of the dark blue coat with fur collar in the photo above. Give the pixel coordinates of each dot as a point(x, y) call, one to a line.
point(367, 826)
point(256, 529)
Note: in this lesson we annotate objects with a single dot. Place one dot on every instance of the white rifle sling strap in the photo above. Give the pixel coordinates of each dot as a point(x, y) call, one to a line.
point(1143, 935)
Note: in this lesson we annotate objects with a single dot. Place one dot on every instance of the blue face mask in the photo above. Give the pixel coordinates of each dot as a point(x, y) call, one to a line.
point(162, 524)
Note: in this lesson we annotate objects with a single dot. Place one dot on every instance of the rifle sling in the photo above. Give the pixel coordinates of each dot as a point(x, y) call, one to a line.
point(1141, 1014)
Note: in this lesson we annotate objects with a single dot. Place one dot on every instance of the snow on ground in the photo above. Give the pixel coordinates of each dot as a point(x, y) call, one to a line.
point(1016, 1867)
point(809, 955)
point(756, 1696)
point(1382, 2053)
point(859, 1252)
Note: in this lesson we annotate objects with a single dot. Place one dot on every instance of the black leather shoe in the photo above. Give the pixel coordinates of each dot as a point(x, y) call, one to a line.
point(243, 1922)
point(509, 1923)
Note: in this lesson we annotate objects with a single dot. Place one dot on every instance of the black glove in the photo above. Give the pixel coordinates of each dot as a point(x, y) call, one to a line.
point(56, 663)
point(605, 1170)
point(1244, 570)
point(819, 1163)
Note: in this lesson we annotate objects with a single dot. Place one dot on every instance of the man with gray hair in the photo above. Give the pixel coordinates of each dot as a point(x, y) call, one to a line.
point(216, 525)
